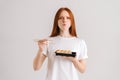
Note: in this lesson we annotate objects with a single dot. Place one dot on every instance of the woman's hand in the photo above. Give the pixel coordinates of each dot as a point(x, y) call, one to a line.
point(42, 44)
point(39, 58)
point(69, 58)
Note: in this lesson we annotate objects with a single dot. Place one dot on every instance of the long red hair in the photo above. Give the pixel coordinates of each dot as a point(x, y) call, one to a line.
point(56, 30)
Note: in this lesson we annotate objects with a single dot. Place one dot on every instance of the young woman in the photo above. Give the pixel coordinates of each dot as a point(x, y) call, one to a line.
point(63, 37)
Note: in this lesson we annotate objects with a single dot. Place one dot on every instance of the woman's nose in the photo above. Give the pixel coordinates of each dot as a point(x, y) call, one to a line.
point(64, 19)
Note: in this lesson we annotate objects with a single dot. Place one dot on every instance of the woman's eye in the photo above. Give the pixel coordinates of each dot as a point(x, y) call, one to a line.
point(64, 18)
point(60, 17)
point(68, 18)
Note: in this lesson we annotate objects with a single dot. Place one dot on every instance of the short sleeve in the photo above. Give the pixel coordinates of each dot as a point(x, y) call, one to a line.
point(83, 50)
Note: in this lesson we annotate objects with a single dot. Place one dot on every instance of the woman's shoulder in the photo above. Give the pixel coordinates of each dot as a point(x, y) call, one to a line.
point(81, 40)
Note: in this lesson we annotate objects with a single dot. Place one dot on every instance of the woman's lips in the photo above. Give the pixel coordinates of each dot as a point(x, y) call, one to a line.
point(64, 24)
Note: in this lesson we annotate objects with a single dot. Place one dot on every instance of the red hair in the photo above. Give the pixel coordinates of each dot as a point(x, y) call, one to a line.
point(56, 30)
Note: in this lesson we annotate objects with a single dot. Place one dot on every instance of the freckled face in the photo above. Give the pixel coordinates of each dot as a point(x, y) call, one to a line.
point(64, 21)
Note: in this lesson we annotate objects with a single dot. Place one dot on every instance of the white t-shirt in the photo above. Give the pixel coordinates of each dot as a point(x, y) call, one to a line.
point(58, 67)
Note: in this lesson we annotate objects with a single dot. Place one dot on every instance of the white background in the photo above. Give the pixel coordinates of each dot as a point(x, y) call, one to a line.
point(21, 21)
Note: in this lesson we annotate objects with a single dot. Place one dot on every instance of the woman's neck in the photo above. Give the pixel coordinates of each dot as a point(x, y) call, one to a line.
point(65, 34)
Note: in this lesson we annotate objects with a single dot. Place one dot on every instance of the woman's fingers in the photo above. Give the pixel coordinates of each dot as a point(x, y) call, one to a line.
point(42, 44)
point(38, 40)
point(68, 58)
point(43, 41)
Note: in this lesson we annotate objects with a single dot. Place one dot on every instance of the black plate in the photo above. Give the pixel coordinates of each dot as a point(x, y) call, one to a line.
point(67, 55)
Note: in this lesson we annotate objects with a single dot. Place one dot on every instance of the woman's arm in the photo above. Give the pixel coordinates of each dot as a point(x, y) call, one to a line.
point(38, 60)
point(80, 65)
point(40, 57)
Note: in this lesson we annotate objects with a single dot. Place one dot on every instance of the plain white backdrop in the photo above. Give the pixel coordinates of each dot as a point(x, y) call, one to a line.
point(21, 21)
